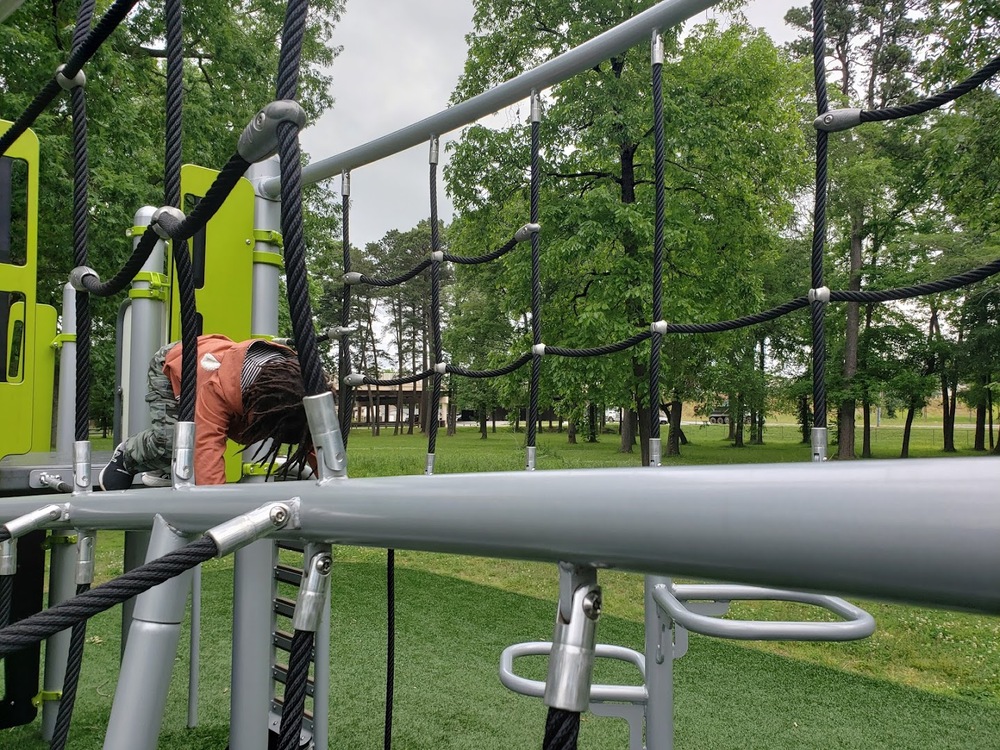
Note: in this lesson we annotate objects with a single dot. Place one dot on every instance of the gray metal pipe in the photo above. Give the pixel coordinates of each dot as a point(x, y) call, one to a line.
point(637, 29)
point(66, 408)
point(926, 530)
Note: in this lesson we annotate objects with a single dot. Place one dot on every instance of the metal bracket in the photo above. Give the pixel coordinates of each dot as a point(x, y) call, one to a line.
point(311, 599)
point(80, 79)
point(838, 119)
point(571, 665)
point(259, 140)
point(63, 338)
point(46, 696)
point(272, 236)
point(54, 540)
point(321, 412)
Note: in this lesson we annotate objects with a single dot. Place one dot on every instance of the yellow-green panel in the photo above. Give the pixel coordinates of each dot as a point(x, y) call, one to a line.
point(19, 400)
point(43, 377)
point(225, 299)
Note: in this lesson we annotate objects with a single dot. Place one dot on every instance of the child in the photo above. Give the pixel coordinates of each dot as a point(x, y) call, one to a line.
point(249, 392)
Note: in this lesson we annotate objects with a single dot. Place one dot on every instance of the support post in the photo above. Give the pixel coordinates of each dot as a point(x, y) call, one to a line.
point(141, 695)
point(62, 586)
point(659, 672)
point(66, 409)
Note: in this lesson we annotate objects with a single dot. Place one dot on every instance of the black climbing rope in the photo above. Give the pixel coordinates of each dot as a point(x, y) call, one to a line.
point(438, 349)
point(659, 158)
point(536, 273)
point(294, 701)
point(74, 661)
point(818, 308)
point(562, 728)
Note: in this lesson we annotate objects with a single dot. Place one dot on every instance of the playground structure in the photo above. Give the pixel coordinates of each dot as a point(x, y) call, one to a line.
point(904, 531)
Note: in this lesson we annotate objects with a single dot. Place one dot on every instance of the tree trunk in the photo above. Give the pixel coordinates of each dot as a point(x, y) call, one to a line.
point(452, 415)
point(482, 424)
point(736, 420)
point(866, 429)
point(805, 420)
point(979, 441)
point(905, 450)
point(628, 432)
point(845, 416)
point(674, 435)
point(571, 432)
point(591, 423)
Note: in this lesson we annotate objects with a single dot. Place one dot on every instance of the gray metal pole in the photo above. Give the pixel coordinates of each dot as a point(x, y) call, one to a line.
point(195, 660)
point(62, 586)
point(252, 649)
point(637, 29)
point(321, 678)
point(147, 334)
point(141, 695)
point(659, 673)
point(267, 256)
point(66, 410)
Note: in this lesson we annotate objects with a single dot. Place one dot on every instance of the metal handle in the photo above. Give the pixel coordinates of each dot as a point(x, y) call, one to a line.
point(856, 624)
point(536, 688)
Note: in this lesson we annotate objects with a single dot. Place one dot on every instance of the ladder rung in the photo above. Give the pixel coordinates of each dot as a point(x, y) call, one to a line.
point(280, 674)
point(288, 574)
point(283, 639)
point(276, 706)
point(292, 545)
point(283, 606)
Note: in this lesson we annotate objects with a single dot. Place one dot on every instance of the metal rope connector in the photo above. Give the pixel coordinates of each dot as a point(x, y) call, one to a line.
point(35, 520)
point(435, 146)
point(441, 367)
point(538, 349)
point(311, 601)
point(259, 139)
point(354, 379)
point(85, 544)
point(182, 463)
point(437, 256)
point(166, 221)
point(661, 327)
point(524, 233)
point(656, 48)
point(257, 524)
point(77, 275)
point(819, 442)
point(352, 277)
point(321, 412)
point(838, 119)
point(82, 467)
point(820, 295)
point(571, 663)
point(80, 79)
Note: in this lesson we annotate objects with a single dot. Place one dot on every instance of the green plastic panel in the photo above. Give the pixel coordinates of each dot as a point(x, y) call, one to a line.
point(26, 396)
point(225, 297)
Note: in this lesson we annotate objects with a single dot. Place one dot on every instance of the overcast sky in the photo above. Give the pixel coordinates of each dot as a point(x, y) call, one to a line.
point(400, 61)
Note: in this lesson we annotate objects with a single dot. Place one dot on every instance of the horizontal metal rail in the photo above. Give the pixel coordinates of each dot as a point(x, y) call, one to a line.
point(856, 623)
point(921, 530)
point(637, 29)
point(536, 688)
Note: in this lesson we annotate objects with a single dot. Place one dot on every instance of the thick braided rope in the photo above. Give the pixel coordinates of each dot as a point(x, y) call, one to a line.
point(189, 332)
point(536, 285)
point(562, 728)
point(517, 364)
point(659, 177)
point(597, 351)
point(971, 83)
point(747, 320)
point(432, 425)
point(295, 690)
point(80, 55)
point(390, 644)
point(405, 380)
point(6, 599)
point(173, 132)
point(395, 280)
point(74, 661)
point(476, 260)
point(918, 290)
point(81, 177)
point(819, 217)
point(344, 364)
point(40, 626)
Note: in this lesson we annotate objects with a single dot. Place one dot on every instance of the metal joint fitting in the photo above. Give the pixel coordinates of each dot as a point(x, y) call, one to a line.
point(441, 367)
point(77, 275)
point(571, 662)
point(529, 459)
point(820, 295)
point(538, 349)
point(525, 232)
point(182, 464)
point(342, 330)
point(8, 557)
point(655, 452)
point(166, 220)
point(818, 439)
point(257, 524)
point(345, 183)
point(536, 107)
point(660, 327)
point(35, 520)
point(429, 465)
point(311, 600)
point(656, 49)
point(259, 139)
point(85, 557)
point(354, 379)
point(80, 79)
point(321, 411)
point(54, 482)
point(81, 467)
point(437, 256)
point(352, 277)
point(838, 119)
point(435, 150)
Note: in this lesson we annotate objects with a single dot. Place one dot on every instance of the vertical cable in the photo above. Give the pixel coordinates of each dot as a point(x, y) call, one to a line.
point(390, 644)
point(817, 307)
point(74, 661)
point(536, 281)
point(344, 353)
point(432, 426)
point(659, 148)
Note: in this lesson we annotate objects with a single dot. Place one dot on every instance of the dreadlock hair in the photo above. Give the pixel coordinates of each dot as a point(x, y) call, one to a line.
point(275, 416)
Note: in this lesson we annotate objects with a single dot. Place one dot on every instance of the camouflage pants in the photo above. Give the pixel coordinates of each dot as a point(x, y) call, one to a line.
point(152, 449)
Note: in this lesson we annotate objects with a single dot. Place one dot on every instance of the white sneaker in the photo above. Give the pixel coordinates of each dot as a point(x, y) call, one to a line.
point(157, 479)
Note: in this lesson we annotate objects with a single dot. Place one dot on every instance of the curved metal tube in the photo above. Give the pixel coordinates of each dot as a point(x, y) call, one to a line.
point(536, 688)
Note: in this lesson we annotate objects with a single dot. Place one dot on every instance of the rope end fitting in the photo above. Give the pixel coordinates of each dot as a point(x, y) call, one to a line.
point(259, 139)
point(257, 524)
point(78, 275)
point(352, 277)
point(354, 379)
point(524, 233)
point(538, 349)
point(80, 79)
point(838, 119)
point(820, 295)
point(441, 368)
point(661, 327)
point(166, 220)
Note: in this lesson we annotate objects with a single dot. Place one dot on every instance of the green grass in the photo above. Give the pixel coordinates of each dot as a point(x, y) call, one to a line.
point(926, 679)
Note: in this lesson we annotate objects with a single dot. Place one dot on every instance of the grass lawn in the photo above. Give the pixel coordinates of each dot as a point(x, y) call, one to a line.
point(926, 679)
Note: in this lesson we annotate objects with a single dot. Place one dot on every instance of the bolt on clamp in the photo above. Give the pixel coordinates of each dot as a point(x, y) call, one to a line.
point(525, 232)
point(182, 463)
point(838, 119)
point(321, 413)
point(311, 601)
point(85, 543)
point(354, 379)
point(77, 275)
point(571, 661)
point(257, 524)
point(259, 139)
point(81, 468)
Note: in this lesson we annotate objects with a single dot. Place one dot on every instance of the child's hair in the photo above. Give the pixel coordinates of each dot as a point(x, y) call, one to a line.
point(274, 412)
